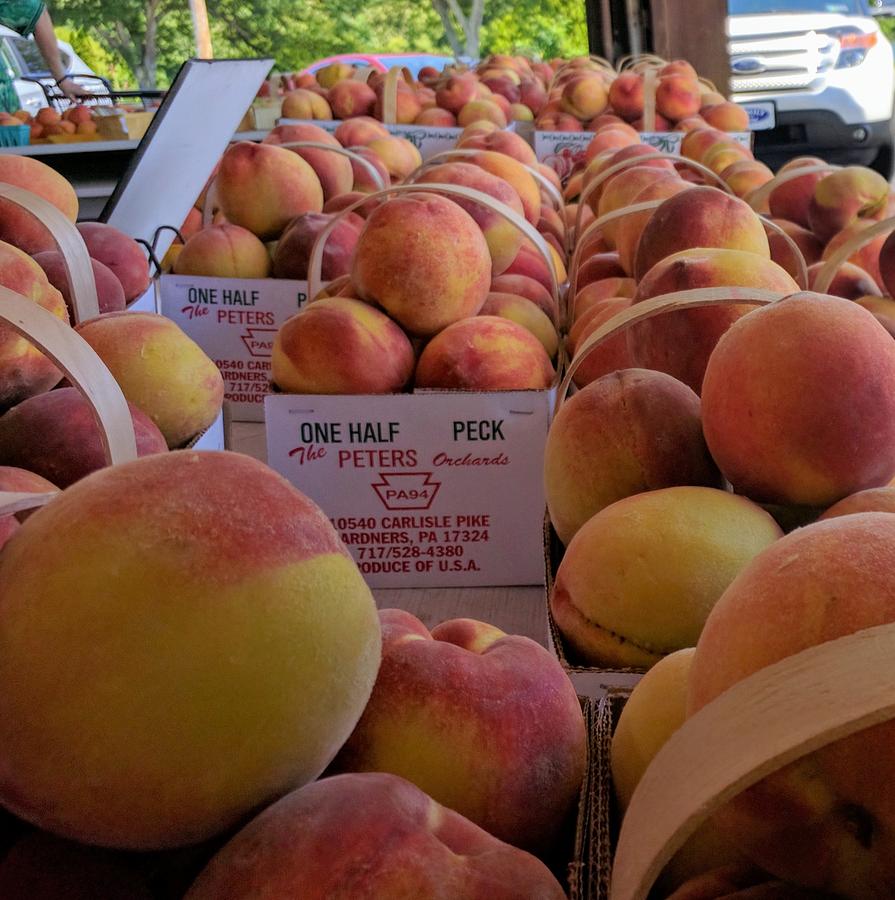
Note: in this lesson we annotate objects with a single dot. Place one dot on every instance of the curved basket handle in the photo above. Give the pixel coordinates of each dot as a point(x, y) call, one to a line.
point(75, 257)
point(12, 502)
point(828, 271)
point(390, 96)
point(757, 198)
point(794, 251)
point(315, 262)
point(633, 60)
point(650, 83)
point(342, 151)
point(708, 83)
point(656, 306)
point(211, 199)
point(756, 727)
point(362, 73)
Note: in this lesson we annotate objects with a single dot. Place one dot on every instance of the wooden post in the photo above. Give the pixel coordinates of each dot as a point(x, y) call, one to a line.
point(694, 30)
point(201, 30)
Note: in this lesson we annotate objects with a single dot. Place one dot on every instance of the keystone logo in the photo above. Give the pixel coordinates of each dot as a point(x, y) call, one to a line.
point(259, 341)
point(406, 490)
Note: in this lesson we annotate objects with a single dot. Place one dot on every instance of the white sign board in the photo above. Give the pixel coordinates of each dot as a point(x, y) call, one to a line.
point(434, 489)
point(234, 321)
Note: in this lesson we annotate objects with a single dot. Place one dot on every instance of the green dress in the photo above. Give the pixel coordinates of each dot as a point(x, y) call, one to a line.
point(21, 16)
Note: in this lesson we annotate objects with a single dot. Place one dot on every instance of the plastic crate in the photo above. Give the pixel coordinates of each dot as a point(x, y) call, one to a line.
point(15, 135)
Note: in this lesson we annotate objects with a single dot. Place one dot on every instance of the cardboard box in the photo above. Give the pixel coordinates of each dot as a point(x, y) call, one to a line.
point(430, 489)
point(213, 436)
point(265, 113)
point(121, 126)
point(234, 321)
point(582, 877)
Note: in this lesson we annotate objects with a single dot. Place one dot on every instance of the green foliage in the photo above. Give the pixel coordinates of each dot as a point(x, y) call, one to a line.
point(887, 26)
point(543, 28)
point(102, 60)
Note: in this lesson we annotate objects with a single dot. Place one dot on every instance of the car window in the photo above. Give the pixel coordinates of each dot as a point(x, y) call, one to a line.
point(32, 60)
point(753, 7)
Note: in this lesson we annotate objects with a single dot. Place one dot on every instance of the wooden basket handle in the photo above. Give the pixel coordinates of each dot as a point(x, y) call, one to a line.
point(315, 261)
point(827, 272)
point(708, 83)
point(84, 369)
point(640, 59)
point(390, 96)
point(78, 268)
point(756, 727)
point(362, 73)
point(211, 199)
point(794, 251)
point(757, 198)
point(656, 306)
point(650, 83)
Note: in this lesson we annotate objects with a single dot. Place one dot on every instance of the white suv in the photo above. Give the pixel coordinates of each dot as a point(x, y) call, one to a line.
point(817, 77)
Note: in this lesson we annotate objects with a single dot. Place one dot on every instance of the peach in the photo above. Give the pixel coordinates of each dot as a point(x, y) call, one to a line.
point(24, 370)
point(850, 281)
point(530, 288)
point(305, 104)
point(363, 180)
point(724, 154)
point(461, 697)
point(290, 259)
point(792, 199)
point(120, 253)
point(55, 435)
point(883, 308)
point(698, 142)
point(626, 95)
point(160, 370)
point(263, 187)
point(699, 217)
point(478, 110)
point(438, 118)
point(726, 116)
point(224, 251)
point(275, 652)
point(407, 106)
point(584, 96)
point(333, 73)
point(519, 112)
point(677, 97)
point(341, 346)
point(680, 343)
point(557, 121)
point(601, 289)
point(506, 142)
point(456, 92)
point(824, 820)
point(531, 264)
point(866, 257)
point(18, 481)
point(807, 427)
point(370, 833)
point(109, 290)
point(20, 228)
point(424, 260)
point(504, 239)
point(621, 189)
point(514, 172)
point(525, 313)
point(343, 201)
point(351, 98)
point(626, 432)
point(397, 154)
point(640, 577)
point(681, 68)
point(599, 266)
point(484, 353)
point(333, 170)
point(600, 164)
point(532, 95)
point(844, 196)
point(612, 354)
point(809, 246)
point(745, 176)
point(609, 139)
point(359, 131)
point(691, 123)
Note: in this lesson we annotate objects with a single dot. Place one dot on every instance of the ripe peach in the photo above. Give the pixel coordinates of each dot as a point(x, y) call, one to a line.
point(48, 116)
point(680, 343)
point(18, 481)
point(108, 288)
point(724, 154)
point(530, 263)
point(850, 281)
point(810, 247)
point(525, 313)
point(599, 266)
point(557, 121)
point(293, 251)
point(639, 578)
point(224, 251)
point(609, 139)
point(626, 95)
point(275, 653)
point(792, 199)
point(530, 288)
point(698, 142)
point(691, 123)
point(602, 289)
point(602, 163)
point(359, 131)
point(55, 435)
point(519, 112)
point(506, 142)
point(160, 370)
point(438, 118)
point(620, 190)
point(532, 95)
point(584, 96)
point(883, 308)
point(459, 697)
point(660, 123)
point(484, 353)
point(305, 104)
point(370, 833)
point(611, 355)
point(333, 73)
point(842, 197)
point(726, 116)
point(263, 187)
point(516, 174)
point(478, 110)
point(363, 180)
point(397, 154)
point(866, 257)
point(677, 97)
point(745, 176)
point(680, 68)
point(456, 92)
point(332, 169)
point(120, 253)
point(20, 228)
point(341, 346)
point(351, 98)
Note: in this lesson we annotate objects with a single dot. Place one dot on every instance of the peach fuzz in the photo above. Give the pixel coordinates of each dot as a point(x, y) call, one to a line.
point(55, 435)
point(341, 346)
point(866, 257)
point(602, 289)
point(629, 431)
point(530, 288)
point(844, 196)
point(809, 246)
point(821, 582)
point(375, 834)
point(350, 98)
point(25, 370)
point(19, 227)
point(484, 353)
point(19, 481)
point(850, 281)
point(626, 95)
point(108, 288)
point(276, 652)
point(677, 97)
point(120, 253)
point(263, 187)
point(680, 343)
point(514, 172)
point(293, 252)
point(726, 116)
point(699, 217)
point(160, 370)
point(504, 239)
point(333, 170)
point(398, 155)
point(224, 251)
point(812, 416)
point(359, 131)
point(640, 577)
point(461, 697)
point(305, 104)
point(525, 313)
point(791, 200)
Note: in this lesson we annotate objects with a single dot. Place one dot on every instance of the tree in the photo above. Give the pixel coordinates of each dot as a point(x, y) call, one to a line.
point(461, 27)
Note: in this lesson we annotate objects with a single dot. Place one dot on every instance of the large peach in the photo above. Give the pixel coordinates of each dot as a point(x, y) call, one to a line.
point(341, 346)
point(375, 835)
point(293, 251)
point(109, 291)
point(799, 401)
point(609, 139)
point(825, 820)
point(160, 370)
point(55, 435)
point(630, 431)
point(120, 253)
point(20, 228)
point(19, 481)
point(364, 181)
point(530, 288)
point(639, 578)
point(359, 131)
point(397, 154)
point(585, 96)
point(484, 353)
point(677, 97)
point(461, 698)
point(791, 200)
point(424, 260)
point(699, 217)
point(349, 98)
point(224, 251)
point(850, 281)
point(844, 196)
point(481, 110)
point(333, 170)
point(698, 142)
point(866, 257)
point(809, 246)
point(680, 343)
point(305, 104)
point(274, 653)
point(523, 312)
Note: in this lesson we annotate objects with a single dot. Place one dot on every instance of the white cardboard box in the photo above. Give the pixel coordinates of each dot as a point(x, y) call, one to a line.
point(432, 489)
point(234, 321)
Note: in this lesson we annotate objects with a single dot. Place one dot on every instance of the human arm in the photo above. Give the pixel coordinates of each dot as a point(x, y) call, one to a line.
point(45, 38)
